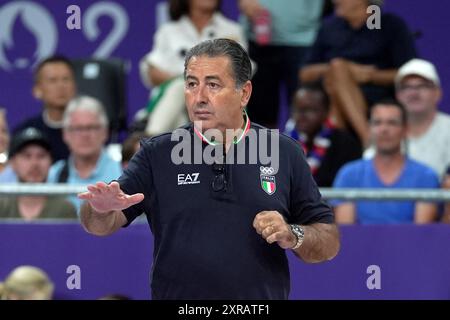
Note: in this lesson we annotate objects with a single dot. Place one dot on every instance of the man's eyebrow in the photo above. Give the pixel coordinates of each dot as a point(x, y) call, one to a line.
point(207, 78)
point(213, 77)
point(191, 77)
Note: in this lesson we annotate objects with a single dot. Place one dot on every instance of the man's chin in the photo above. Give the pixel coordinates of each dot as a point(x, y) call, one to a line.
point(416, 107)
point(388, 150)
point(85, 153)
point(33, 180)
point(204, 124)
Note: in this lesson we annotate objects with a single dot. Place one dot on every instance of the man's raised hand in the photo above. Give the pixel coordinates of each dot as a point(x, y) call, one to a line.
point(109, 197)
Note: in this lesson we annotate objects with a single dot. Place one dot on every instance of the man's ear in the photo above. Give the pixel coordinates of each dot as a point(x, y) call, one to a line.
point(13, 164)
point(37, 92)
point(246, 93)
point(65, 136)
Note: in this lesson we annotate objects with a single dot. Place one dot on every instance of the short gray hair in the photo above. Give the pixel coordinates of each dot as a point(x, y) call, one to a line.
point(240, 61)
point(85, 103)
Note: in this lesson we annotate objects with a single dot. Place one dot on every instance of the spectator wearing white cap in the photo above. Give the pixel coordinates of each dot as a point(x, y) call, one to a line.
point(418, 88)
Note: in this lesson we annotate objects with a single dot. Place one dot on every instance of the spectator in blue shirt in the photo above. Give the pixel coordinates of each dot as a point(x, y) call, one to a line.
point(85, 129)
point(388, 169)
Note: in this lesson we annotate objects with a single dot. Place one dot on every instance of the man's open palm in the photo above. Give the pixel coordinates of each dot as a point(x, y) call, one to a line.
point(105, 198)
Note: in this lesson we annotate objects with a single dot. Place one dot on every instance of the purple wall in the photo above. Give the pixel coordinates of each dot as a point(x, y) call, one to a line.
point(414, 261)
point(19, 47)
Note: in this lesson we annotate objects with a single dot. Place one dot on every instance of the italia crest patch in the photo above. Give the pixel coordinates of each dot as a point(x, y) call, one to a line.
point(268, 183)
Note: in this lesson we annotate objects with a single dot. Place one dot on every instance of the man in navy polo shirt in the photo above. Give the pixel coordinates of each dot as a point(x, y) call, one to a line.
point(216, 215)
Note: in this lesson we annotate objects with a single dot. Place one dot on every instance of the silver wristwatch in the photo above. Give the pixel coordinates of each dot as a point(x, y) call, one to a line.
point(299, 233)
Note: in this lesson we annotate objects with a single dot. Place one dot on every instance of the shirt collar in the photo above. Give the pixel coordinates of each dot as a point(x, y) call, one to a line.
point(100, 163)
point(236, 140)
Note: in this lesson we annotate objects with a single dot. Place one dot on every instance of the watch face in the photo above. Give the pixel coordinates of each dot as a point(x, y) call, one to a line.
point(298, 231)
point(299, 234)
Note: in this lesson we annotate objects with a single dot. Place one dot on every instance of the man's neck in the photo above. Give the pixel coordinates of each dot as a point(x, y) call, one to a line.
point(358, 19)
point(418, 124)
point(238, 132)
point(85, 165)
point(30, 207)
point(389, 166)
point(231, 135)
point(54, 114)
point(310, 136)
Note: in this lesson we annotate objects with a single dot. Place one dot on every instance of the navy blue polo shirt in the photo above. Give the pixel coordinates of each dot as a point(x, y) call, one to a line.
point(205, 243)
point(387, 48)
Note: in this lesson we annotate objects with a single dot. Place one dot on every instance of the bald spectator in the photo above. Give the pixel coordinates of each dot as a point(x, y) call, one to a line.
point(54, 86)
point(85, 132)
point(31, 161)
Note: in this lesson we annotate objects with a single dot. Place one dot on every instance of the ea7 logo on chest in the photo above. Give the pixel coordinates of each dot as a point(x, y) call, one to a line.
point(186, 178)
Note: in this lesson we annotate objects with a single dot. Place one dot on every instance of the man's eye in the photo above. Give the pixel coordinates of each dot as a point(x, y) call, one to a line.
point(191, 84)
point(213, 85)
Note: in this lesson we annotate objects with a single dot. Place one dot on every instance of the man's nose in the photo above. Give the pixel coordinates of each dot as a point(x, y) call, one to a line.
point(384, 128)
point(34, 163)
point(201, 95)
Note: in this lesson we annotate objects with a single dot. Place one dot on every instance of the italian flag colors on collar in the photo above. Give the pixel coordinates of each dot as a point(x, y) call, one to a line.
point(236, 140)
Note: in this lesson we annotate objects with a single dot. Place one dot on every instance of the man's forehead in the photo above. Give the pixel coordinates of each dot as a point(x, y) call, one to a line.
point(305, 94)
point(84, 113)
point(33, 147)
point(386, 110)
point(54, 67)
point(84, 117)
point(206, 64)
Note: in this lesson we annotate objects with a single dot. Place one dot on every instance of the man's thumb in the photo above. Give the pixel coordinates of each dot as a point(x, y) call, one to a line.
point(135, 198)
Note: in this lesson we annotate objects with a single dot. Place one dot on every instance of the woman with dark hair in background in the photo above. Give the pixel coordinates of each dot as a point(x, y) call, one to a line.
point(193, 21)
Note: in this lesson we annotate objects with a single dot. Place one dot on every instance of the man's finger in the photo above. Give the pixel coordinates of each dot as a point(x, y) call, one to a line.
point(92, 188)
point(135, 198)
point(256, 221)
point(267, 231)
point(102, 187)
point(85, 195)
point(268, 216)
point(261, 214)
point(260, 221)
point(115, 187)
point(258, 229)
point(274, 237)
